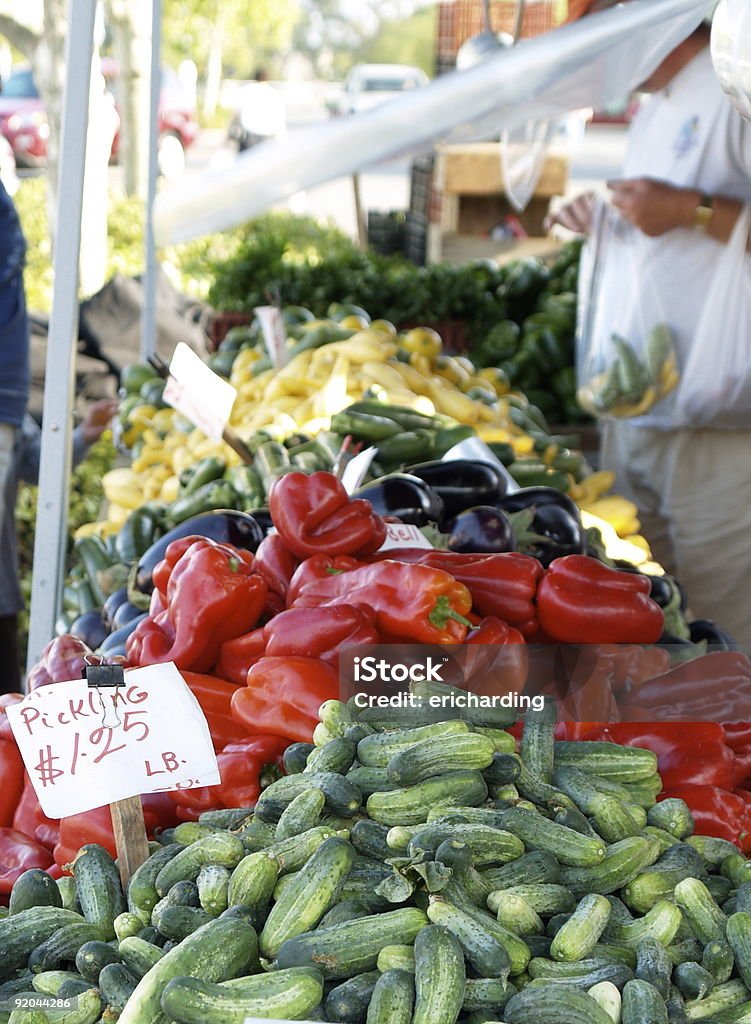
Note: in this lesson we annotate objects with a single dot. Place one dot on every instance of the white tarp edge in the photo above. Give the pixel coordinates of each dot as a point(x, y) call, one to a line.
point(593, 62)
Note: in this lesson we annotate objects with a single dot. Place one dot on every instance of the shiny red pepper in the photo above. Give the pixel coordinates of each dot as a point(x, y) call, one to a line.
point(30, 819)
point(283, 696)
point(11, 780)
point(715, 687)
point(413, 602)
point(7, 700)
point(213, 595)
point(320, 632)
point(19, 853)
point(582, 601)
point(496, 660)
point(236, 656)
point(315, 515)
point(502, 585)
point(241, 767)
point(316, 568)
point(215, 697)
point(62, 659)
point(276, 563)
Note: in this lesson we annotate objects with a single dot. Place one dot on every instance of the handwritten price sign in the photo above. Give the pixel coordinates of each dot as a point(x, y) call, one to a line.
point(84, 747)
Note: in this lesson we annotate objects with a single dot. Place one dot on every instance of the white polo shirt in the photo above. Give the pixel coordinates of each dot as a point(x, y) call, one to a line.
point(690, 136)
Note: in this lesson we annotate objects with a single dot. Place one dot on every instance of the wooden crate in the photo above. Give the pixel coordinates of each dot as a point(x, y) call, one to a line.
point(475, 169)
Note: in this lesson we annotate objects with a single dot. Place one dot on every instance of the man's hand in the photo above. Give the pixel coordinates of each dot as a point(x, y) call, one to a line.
point(654, 207)
point(575, 216)
point(97, 419)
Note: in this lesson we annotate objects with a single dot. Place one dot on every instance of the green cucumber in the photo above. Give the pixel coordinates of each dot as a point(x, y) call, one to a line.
point(176, 923)
point(622, 863)
point(581, 933)
point(49, 982)
point(351, 948)
point(607, 996)
point(213, 888)
point(713, 851)
point(537, 747)
point(487, 956)
point(544, 898)
point(514, 913)
point(377, 750)
point(296, 756)
point(68, 894)
point(252, 884)
point(93, 956)
point(393, 998)
point(641, 1003)
point(219, 848)
point(370, 780)
point(410, 805)
point(338, 755)
point(142, 892)
point(569, 847)
point(396, 957)
point(302, 814)
point(286, 994)
point(672, 815)
point(661, 922)
point(721, 1000)
point(34, 888)
point(554, 1004)
point(438, 755)
point(98, 887)
point(718, 958)
point(342, 798)
point(347, 910)
point(349, 1001)
point(291, 854)
point(369, 839)
point(653, 965)
point(304, 903)
point(117, 984)
point(608, 760)
point(126, 924)
point(440, 977)
point(739, 938)
point(61, 947)
point(706, 919)
point(219, 950)
point(693, 981)
point(489, 846)
point(535, 867)
point(138, 955)
point(487, 994)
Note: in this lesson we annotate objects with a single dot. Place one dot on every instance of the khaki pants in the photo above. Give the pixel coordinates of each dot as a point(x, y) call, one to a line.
point(7, 442)
point(693, 490)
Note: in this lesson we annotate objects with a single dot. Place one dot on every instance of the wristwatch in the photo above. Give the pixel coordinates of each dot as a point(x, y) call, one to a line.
point(704, 213)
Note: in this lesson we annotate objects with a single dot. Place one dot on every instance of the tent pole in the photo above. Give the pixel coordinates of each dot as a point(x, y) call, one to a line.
point(54, 476)
point(148, 317)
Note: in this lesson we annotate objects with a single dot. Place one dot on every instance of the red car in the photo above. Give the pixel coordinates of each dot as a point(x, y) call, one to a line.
point(24, 123)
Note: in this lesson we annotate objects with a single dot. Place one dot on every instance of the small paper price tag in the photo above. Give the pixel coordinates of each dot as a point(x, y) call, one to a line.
point(274, 334)
point(404, 535)
point(474, 448)
point(76, 762)
point(356, 469)
point(198, 393)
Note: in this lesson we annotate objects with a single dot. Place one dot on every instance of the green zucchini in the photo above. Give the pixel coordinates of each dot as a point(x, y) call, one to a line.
point(34, 888)
point(642, 1002)
point(487, 956)
point(582, 931)
point(302, 814)
point(554, 1004)
point(348, 1003)
point(569, 847)
point(285, 994)
point(304, 903)
point(351, 948)
point(98, 887)
point(393, 998)
point(219, 950)
point(440, 977)
point(218, 848)
point(410, 805)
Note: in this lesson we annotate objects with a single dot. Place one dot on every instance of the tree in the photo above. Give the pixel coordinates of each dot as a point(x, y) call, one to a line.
point(407, 41)
point(227, 33)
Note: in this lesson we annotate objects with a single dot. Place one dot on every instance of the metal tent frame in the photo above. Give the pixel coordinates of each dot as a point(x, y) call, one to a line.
point(542, 77)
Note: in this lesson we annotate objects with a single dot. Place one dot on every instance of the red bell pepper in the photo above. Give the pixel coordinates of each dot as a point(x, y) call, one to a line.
point(62, 659)
point(242, 767)
point(315, 515)
point(30, 819)
point(737, 734)
point(716, 812)
point(276, 563)
point(496, 660)
point(19, 853)
point(215, 697)
point(212, 594)
point(7, 700)
point(236, 656)
point(688, 753)
point(715, 687)
point(501, 585)
point(320, 632)
point(283, 696)
point(316, 568)
point(12, 779)
point(582, 601)
point(413, 602)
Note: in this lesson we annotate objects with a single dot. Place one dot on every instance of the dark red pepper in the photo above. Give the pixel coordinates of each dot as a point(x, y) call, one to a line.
point(320, 632)
point(236, 656)
point(276, 563)
point(62, 659)
point(19, 853)
point(241, 767)
point(316, 568)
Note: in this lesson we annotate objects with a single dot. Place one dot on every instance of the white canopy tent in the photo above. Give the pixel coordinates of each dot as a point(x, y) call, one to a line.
point(590, 63)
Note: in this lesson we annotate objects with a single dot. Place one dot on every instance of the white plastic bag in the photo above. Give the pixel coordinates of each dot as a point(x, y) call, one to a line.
point(523, 154)
point(625, 356)
point(716, 386)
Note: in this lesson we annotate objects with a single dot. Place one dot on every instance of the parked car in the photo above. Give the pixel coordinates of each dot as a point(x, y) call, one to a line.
point(24, 123)
point(368, 85)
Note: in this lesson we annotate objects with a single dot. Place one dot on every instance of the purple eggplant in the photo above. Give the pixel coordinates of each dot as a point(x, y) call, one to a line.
point(462, 483)
point(111, 605)
point(114, 644)
point(124, 614)
point(480, 530)
point(546, 523)
point(263, 517)
point(90, 628)
point(405, 497)
point(227, 526)
point(717, 638)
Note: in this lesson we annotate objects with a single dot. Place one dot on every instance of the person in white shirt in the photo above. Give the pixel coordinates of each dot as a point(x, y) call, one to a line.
point(686, 181)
